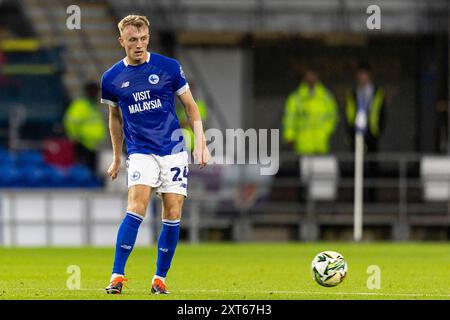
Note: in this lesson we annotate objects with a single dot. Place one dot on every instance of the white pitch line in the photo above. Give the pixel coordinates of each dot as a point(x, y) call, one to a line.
point(323, 293)
point(217, 291)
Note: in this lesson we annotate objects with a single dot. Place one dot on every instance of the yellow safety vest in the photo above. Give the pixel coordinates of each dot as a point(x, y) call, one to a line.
point(84, 123)
point(374, 114)
point(310, 119)
point(188, 134)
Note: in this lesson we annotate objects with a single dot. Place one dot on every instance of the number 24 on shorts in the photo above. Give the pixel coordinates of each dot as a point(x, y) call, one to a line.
point(177, 171)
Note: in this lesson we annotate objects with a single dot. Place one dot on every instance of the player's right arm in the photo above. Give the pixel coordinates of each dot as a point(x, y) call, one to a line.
point(115, 130)
point(115, 122)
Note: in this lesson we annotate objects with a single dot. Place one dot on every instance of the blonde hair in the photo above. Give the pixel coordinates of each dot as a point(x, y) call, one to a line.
point(133, 20)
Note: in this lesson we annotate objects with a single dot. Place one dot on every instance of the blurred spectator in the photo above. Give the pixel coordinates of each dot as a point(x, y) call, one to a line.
point(368, 97)
point(184, 121)
point(58, 149)
point(85, 125)
point(310, 116)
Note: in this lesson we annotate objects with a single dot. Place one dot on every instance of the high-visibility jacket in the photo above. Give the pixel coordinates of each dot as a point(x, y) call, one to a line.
point(188, 134)
point(84, 123)
point(375, 121)
point(310, 119)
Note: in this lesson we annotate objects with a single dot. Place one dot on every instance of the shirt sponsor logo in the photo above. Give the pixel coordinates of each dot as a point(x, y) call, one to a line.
point(143, 102)
point(141, 95)
point(146, 105)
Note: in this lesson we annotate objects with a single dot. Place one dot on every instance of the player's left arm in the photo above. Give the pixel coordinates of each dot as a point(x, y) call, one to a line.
point(201, 152)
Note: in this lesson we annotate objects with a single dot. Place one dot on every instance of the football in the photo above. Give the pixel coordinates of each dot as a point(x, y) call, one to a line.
point(329, 268)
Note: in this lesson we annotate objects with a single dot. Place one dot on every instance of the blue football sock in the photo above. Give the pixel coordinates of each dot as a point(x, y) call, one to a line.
point(126, 238)
point(168, 239)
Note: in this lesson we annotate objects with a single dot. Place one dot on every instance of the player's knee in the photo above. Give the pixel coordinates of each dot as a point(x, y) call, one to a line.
point(173, 213)
point(138, 208)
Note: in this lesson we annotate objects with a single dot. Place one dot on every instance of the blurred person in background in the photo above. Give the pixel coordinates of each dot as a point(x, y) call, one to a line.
point(368, 97)
point(85, 125)
point(310, 116)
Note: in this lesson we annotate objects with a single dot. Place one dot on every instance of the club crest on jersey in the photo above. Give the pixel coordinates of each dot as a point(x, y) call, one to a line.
point(182, 73)
point(135, 176)
point(153, 78)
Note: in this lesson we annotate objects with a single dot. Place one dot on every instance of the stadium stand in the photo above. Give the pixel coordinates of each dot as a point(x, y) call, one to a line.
point(28, 62)
point(87, 51)
point(212, 38)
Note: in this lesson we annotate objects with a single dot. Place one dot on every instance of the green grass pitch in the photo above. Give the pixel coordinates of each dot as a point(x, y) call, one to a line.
point(232, 271)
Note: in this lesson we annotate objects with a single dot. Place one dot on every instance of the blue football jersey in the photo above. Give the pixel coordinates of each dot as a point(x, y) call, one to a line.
point(145, 95)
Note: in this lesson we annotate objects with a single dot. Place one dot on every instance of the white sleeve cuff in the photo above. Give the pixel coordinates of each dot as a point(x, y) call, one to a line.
point(111, 103)
point(182, 90)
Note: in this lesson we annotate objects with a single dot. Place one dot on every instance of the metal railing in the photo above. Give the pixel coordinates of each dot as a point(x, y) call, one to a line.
point(399, 209)
point(397, 187)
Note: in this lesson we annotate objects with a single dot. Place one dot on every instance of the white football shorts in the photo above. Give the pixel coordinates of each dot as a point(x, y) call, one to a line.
point(167, 174)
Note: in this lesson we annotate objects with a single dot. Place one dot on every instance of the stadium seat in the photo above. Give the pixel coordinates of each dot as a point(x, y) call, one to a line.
point(57, 178)
point(11, 177)
point(320, 173)
point(28, 170)
point(80, 176)
point(6, 158)
point(59, 152)
point(46, 176)
point(29, 158)
point(3, 152)
point(435, 174)
point(34, 177)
